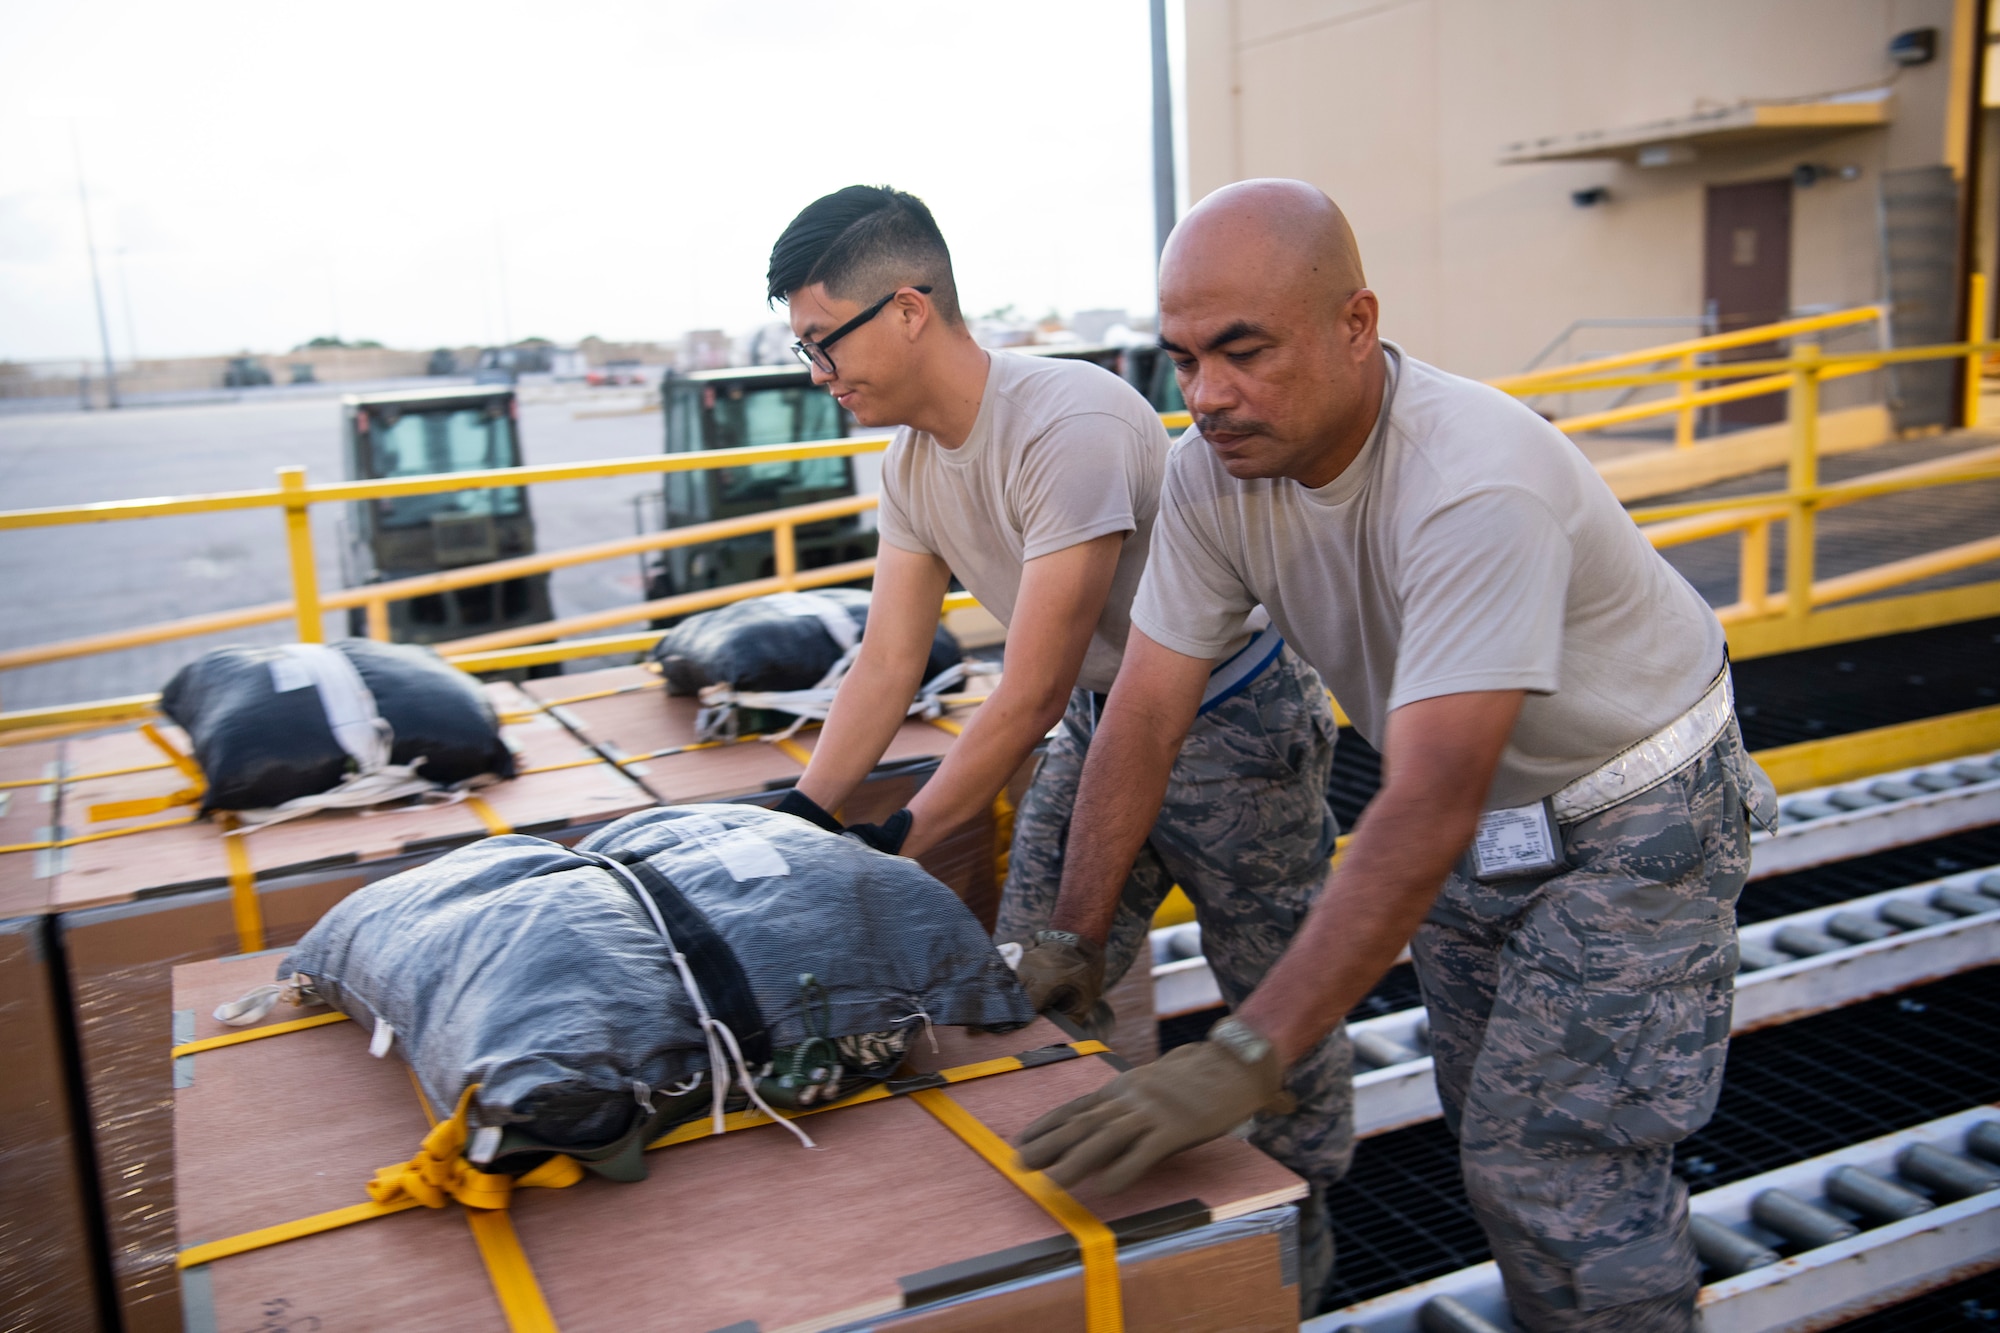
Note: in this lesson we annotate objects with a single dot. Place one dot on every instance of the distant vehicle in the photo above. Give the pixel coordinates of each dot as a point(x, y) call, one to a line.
point(302, 373)
point(613, 373)
point(506, 365)
point(744, 406)
point(443, 362)
point(245, 372)
point(440, 430)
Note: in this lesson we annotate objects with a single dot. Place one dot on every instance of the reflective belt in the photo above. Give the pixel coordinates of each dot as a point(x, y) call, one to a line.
point(1645, 764)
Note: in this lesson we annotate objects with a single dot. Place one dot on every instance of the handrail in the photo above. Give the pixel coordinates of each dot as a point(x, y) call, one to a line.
point(1800, 374)
point(1534, 382)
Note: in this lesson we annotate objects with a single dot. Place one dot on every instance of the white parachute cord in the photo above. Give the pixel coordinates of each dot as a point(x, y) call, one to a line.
point(930, 1032)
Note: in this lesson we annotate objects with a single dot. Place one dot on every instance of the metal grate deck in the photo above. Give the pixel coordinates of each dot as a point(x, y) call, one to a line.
point(1791, 1093)
point(1823, 886)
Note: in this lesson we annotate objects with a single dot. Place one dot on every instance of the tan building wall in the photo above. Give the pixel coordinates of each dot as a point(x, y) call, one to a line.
point(1401, 111)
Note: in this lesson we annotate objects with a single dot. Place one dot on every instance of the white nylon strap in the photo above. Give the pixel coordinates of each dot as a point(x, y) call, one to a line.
point(350, 708)
point(822, 608)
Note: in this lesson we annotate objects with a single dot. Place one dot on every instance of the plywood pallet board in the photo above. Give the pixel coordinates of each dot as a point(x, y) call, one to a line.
point(893, 1222)
point(626, 714)
point(133, 906)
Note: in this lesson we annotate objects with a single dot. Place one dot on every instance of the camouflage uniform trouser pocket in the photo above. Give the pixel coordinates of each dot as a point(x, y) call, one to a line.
point(1580, 1025)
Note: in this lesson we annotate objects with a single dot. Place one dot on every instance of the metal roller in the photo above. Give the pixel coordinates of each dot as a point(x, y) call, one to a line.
point(1963, 902)
point(1938, 779)
point(1858, 929)
point(1912, 915)
point(1724, 1251)
point(1990, 885)
point(1893, 789)
point(1805, 942)
point(1853, 798)
point(1983, 1140)
point(1804, 1224)
point(1976, 770)
point(1874, 1198)
point(1946, 1173)
point(1442, 1314)
point(1378, 1051)
point(1811, 809)
point(1754, 957)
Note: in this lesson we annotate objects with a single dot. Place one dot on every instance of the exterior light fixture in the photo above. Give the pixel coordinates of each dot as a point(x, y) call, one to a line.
point(1591, 197)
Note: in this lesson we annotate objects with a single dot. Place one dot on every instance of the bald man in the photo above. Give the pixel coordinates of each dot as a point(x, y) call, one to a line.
point(1563, 827)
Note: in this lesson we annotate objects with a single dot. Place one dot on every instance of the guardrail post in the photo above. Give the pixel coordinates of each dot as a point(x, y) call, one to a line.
point(1802, 478)
point(305, 566)
point(378, 620)
point(1684, 419)
point(785, 554)
point(1975, 333)
point(1753, 567)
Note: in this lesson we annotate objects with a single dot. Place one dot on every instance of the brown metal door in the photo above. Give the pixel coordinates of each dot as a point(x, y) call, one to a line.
point(1747, 277)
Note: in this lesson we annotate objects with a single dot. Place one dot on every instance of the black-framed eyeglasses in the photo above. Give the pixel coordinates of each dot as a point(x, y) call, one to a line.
point(813, 351)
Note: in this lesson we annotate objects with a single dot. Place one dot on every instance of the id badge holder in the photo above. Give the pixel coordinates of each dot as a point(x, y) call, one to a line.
point(1518, 843)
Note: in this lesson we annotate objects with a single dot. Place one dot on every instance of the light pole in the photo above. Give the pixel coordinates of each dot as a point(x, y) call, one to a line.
point(1163, 131)
point(96, 284)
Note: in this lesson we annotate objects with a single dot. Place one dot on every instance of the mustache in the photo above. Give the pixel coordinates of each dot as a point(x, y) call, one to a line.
point(1227, 423)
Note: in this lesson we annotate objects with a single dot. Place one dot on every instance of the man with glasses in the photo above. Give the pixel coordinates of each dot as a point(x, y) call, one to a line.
point(1036, 482)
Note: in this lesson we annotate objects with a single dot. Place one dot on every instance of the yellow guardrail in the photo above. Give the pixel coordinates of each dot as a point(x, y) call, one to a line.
point(1687, 353)
point(1800, 374)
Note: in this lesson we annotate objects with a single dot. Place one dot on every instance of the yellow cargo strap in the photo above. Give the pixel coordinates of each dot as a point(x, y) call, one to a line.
point(242, 888)
point(1103, 1305)
point(83, 777)
point(82, 838)
point(487, 815)
point(399, 1197)
point(440, 1172)
point(792, 750)
point(252, 1034)
point(153, 805)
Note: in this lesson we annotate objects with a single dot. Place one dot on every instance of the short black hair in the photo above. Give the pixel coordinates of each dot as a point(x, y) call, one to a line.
point(862, 243)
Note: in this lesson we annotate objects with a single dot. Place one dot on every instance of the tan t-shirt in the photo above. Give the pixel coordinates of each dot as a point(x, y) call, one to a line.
point(1468, 547)
point(1061, 452)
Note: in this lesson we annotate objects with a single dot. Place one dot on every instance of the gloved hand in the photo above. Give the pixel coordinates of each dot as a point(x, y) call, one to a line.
point(1062, 971)
point(801, 806)
point(886, 836)
point(1188, 1096)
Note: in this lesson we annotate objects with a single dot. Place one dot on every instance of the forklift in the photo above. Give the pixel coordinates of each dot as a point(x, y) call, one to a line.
point(418, 432)
point(752, 405)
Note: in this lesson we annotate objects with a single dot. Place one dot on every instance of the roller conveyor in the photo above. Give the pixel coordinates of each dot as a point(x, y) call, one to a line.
point(1840, 823)
point(1800, 1246)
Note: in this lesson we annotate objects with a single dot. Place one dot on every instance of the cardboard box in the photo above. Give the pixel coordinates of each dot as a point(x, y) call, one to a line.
point(50, 1256)
point(893, 1223)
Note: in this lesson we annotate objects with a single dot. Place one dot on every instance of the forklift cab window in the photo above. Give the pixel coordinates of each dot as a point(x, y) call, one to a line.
point(465, 440)
point(738, 418)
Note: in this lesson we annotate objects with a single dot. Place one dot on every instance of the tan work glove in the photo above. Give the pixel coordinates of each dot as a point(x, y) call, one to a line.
point(1064, 972)
point(1188, 1096)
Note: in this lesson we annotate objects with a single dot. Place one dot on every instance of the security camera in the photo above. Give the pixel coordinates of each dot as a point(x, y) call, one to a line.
point(1591, 197)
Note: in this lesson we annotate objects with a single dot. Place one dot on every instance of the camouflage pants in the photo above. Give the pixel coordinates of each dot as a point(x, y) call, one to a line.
point(1246, 832)
point(1580, 1024)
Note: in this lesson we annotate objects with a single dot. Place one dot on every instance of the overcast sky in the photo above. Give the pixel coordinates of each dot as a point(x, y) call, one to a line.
point(427, 173)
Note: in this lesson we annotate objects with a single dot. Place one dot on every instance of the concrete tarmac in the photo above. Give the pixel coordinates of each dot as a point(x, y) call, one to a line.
point(61, 583)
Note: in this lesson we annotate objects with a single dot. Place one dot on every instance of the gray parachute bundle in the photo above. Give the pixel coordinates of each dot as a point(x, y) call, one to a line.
point(681, 960)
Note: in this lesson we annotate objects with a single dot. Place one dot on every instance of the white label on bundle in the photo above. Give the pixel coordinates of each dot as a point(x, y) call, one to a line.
point(485, 1142)
point(384, 1036)
point(742, 853)
point(288, 674)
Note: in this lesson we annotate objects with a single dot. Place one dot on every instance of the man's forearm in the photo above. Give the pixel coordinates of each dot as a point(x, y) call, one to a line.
point(980, 762)
point(874, 699)
point(1124, 780)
